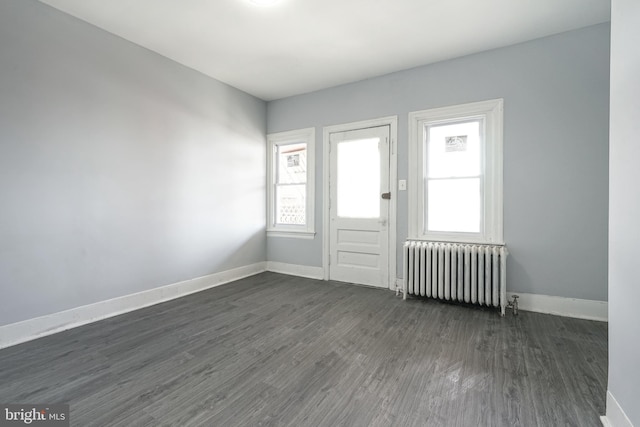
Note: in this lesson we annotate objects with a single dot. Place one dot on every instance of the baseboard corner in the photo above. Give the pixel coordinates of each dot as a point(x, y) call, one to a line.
point(615, 417)
point(306, 271)
point(605, 421)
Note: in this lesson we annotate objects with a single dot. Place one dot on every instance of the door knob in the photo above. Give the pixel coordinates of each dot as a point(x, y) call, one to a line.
point(386, 196)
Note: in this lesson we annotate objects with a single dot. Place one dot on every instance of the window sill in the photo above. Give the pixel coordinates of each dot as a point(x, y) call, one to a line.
point(458, 240)
point(296, 234)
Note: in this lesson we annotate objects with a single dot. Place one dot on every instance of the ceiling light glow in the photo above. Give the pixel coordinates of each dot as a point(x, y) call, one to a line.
point(264, 2)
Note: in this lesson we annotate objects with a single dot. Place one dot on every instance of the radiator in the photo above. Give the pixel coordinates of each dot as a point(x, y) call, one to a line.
point(469, 273)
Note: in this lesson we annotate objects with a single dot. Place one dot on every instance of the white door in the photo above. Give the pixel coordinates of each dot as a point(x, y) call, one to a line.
point(359, 206)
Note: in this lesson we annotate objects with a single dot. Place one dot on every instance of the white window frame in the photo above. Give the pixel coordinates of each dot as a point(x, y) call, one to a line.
point(307, 136)
point(491, 111)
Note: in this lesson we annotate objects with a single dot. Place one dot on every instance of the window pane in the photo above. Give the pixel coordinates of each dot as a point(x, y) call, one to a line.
point(358, 178)
point(453, 205)
point(291, 204)
point(292, 163)
point(453, 149)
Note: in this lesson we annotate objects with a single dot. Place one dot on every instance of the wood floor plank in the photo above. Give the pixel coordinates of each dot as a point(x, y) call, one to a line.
point(276, 350)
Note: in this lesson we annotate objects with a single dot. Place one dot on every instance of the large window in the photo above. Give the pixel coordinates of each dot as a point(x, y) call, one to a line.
point(456, 173)
point(291, 183)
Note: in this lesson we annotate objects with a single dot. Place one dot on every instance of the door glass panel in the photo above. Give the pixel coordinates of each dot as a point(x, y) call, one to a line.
point(453, 205)
point(358, 181)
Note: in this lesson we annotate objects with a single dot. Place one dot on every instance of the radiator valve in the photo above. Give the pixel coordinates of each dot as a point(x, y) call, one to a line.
point(514, 304)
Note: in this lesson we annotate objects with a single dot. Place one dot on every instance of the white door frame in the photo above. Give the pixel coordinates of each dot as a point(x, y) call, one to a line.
point(392, 122)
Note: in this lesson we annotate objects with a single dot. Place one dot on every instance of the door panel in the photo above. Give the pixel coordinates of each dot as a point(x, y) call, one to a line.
point(359, 232)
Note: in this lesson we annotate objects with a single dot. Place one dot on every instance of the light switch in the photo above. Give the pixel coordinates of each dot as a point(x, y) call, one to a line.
point(402, 185)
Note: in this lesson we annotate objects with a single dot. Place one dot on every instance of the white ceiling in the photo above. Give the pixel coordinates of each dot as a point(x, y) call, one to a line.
point(300, 46)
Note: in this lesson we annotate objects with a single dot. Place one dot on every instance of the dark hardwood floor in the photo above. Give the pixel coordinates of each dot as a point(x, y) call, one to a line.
point(280, 350)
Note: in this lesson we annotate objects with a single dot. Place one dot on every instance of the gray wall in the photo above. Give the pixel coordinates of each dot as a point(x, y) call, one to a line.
point(556, 93)
point(624, 208)
point(116, 166)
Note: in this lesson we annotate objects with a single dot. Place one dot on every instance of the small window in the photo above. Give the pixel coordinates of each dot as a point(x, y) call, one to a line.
point(456, 171)
point(290, 187)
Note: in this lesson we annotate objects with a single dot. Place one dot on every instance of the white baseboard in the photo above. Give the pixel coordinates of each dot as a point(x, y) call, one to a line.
point(615, 414)
point(296, 270)
point(31, 329)
point(562, 306)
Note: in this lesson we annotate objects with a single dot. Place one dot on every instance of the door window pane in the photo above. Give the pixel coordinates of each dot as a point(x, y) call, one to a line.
point(358, 181)
point(454, 205)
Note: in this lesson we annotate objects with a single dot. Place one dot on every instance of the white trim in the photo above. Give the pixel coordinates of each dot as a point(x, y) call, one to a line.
point(393, 205)
point(559, 306)
point(298, 234)
point(615, 414)
point(296, 270)
point(308, 136)
point(562, 306)
point(491, 112)
point(605, 421)
point(392, 122)
point(31, 329)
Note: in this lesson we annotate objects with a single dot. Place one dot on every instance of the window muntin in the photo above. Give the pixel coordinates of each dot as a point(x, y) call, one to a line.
point(291, 183)
point(456, 167)
point(453, 175)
